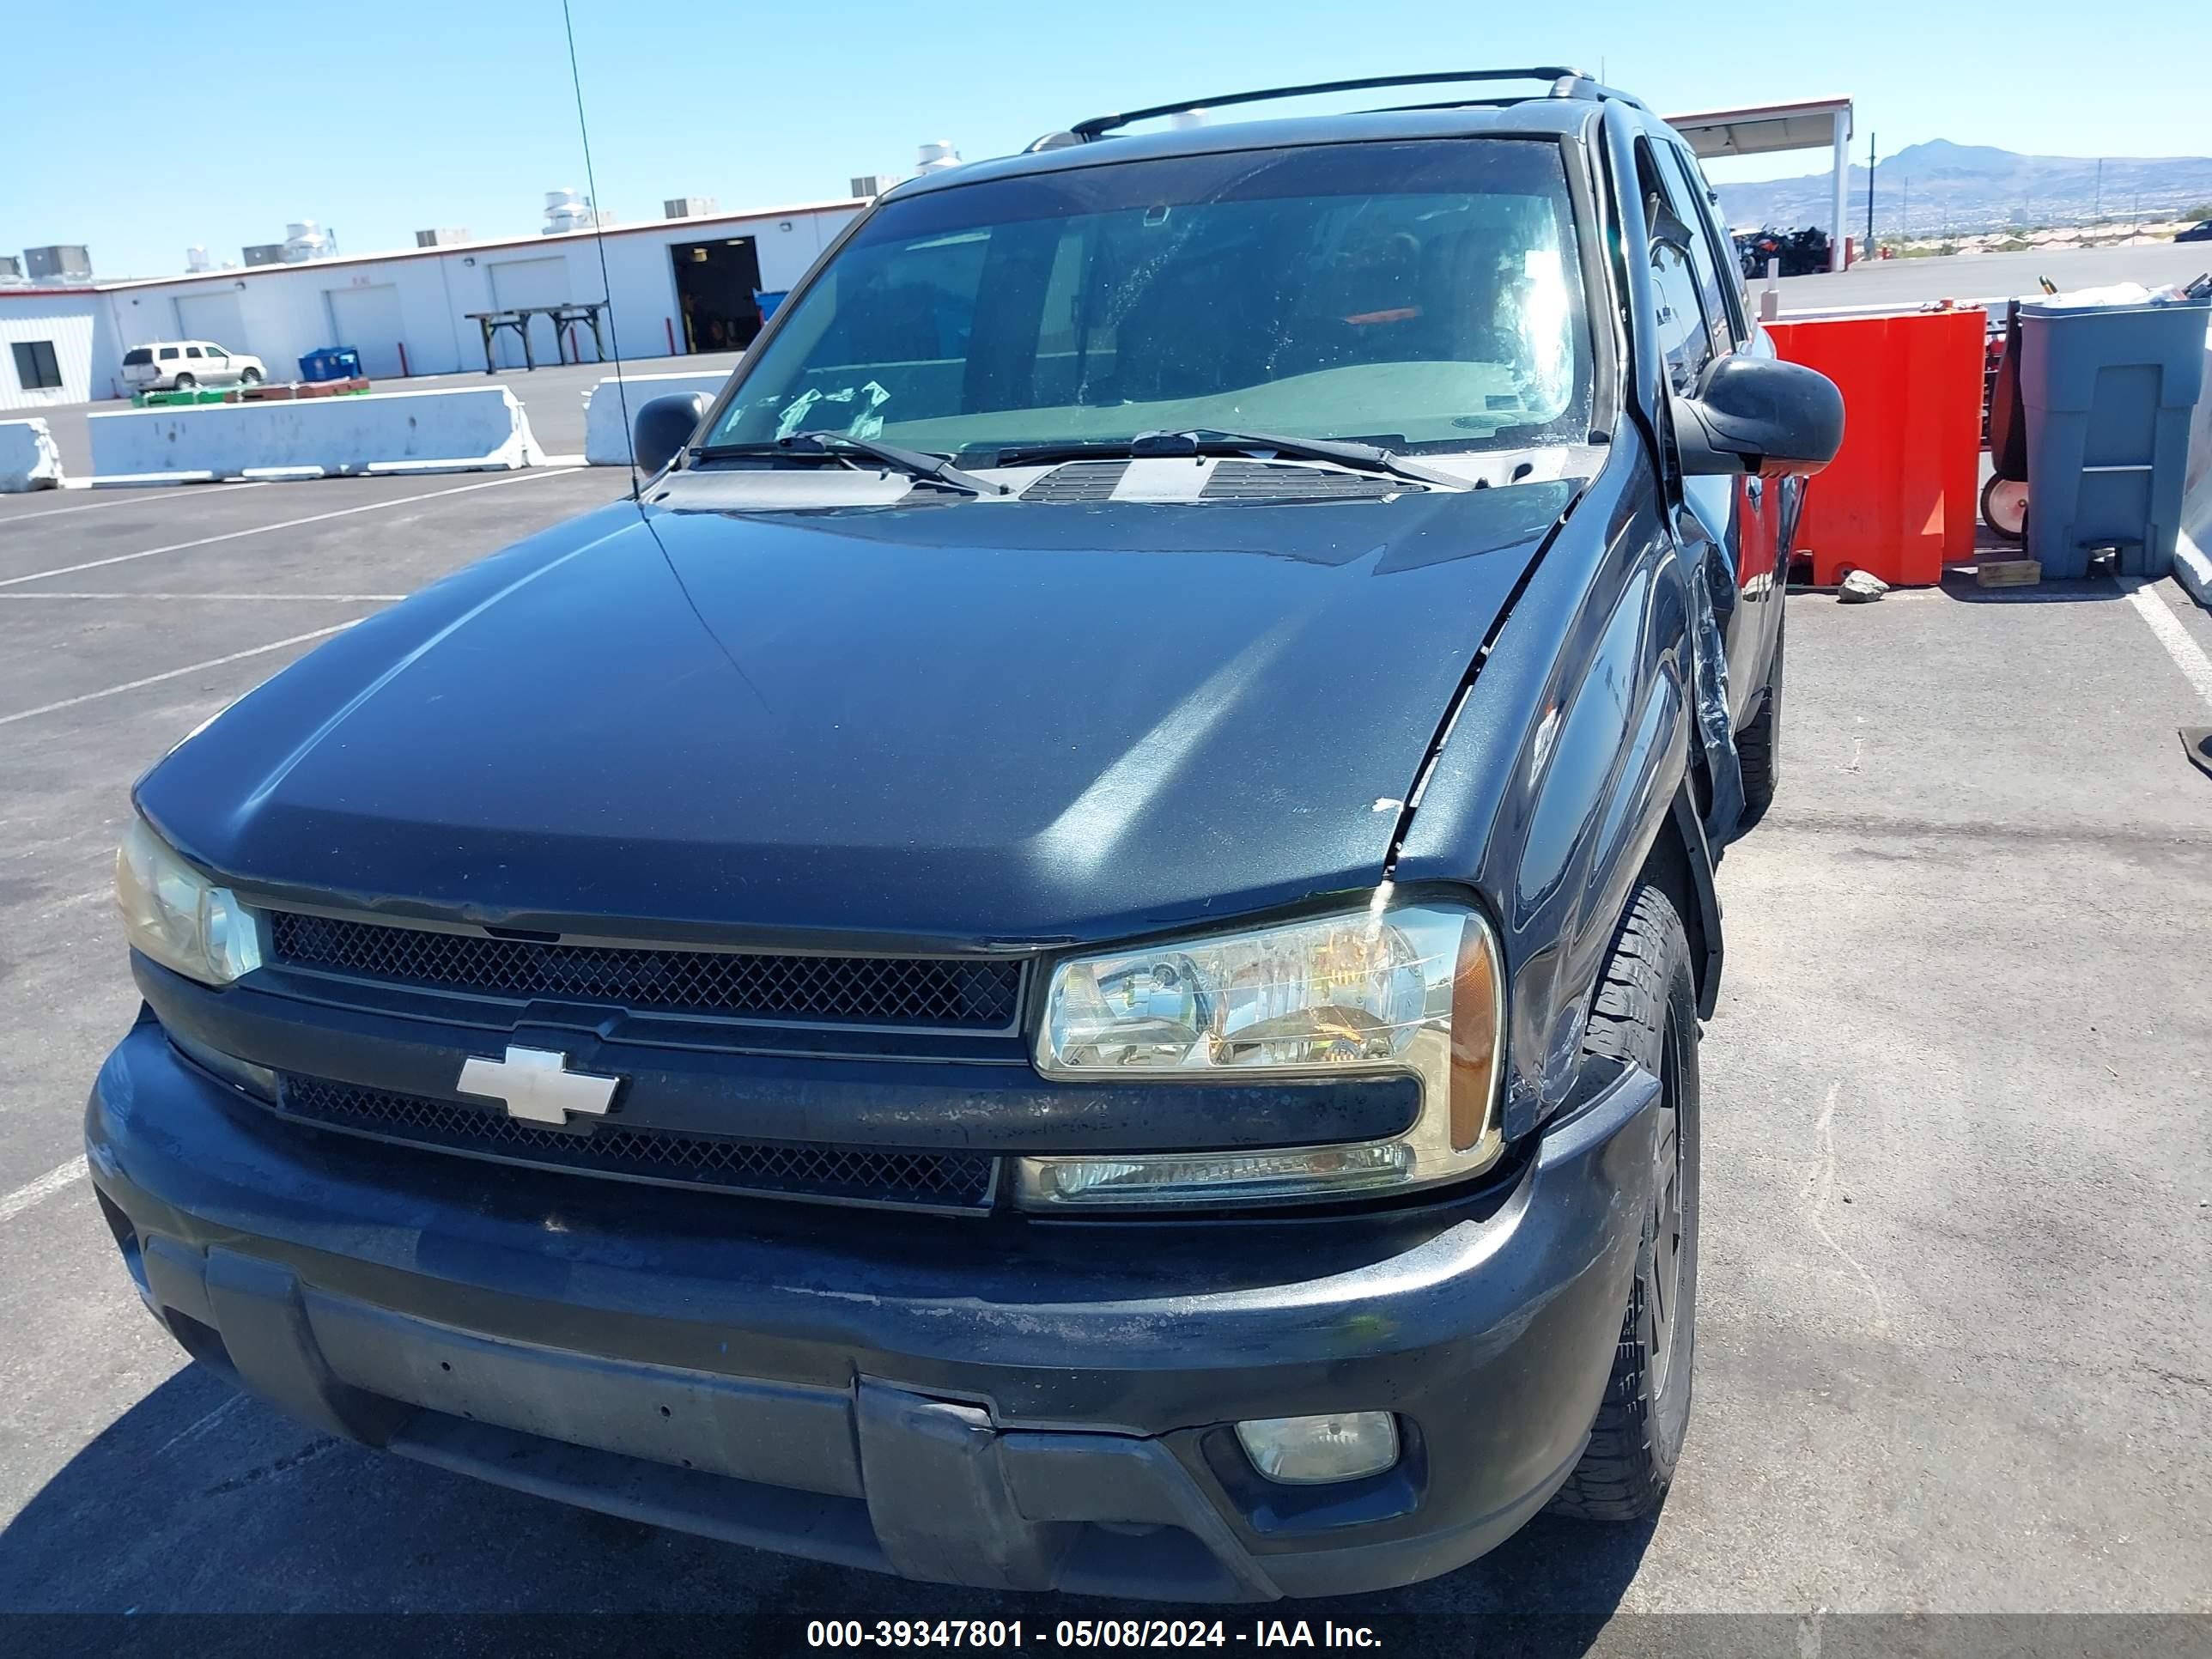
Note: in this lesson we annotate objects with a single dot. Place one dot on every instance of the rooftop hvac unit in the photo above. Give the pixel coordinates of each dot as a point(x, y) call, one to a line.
point(567, 210)
point(264, 254)
point(938, 155)
point(196, 259)
point(871, 184)
point(11, 270)
point(304, 239)
point(441, 237)
point(690, 207)
point(63, 262)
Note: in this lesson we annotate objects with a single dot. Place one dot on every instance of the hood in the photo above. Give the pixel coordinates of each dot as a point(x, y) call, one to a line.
point(959, 722)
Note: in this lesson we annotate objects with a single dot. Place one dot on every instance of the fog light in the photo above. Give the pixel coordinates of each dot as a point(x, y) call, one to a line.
point(1159, 1179)
point(1303, 1451)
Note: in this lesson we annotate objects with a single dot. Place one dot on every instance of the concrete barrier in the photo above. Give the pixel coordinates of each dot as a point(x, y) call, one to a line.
point(462, 429)
point(2192, 549)
point(607, 434)
point(28, 460)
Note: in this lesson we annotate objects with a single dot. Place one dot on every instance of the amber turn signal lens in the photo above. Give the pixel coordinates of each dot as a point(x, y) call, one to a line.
point(1476, 1010)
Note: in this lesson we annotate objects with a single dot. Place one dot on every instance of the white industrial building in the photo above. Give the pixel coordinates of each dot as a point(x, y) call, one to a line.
point(675, 285)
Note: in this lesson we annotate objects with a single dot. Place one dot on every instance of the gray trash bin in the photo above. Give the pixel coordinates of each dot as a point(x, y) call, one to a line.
point(2108, 391)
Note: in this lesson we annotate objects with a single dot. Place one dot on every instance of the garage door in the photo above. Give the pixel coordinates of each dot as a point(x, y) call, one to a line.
point(367, 319)
point(215, 316)
point(541, 281)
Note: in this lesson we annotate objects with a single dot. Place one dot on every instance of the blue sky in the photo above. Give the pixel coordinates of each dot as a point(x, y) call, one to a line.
point(381, 116)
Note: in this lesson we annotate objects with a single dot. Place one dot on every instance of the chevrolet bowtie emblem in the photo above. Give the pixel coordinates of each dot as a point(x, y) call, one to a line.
point(537, 1084)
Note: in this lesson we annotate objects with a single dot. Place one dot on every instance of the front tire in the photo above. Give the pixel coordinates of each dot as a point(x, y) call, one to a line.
point(1646, 1013)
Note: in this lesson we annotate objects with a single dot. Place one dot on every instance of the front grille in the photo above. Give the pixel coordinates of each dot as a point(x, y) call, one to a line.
point(949, 1181)
point(902, 991)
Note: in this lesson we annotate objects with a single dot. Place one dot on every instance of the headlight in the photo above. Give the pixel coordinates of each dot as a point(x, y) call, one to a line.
point(178, 917)
point(1415, 990)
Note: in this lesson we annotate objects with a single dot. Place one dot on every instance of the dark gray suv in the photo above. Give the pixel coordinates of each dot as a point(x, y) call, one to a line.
point(1069, 954)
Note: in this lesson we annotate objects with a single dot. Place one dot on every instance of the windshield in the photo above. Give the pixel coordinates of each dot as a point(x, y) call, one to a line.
point(1419, 296)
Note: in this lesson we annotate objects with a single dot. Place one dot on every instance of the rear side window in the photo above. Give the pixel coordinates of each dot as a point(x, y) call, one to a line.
point(168, 354)
point(137, 354)
point(191, 352)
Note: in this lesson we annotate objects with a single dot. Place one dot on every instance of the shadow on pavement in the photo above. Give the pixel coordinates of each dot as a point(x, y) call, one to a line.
point(201, 1501)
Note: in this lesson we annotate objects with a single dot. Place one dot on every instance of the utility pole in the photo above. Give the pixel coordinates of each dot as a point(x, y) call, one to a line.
point(1868, 253)
point(2101, 189)
point(1904, 208)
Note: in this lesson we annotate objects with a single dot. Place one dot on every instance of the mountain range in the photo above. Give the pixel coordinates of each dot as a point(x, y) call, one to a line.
point(1926, 189)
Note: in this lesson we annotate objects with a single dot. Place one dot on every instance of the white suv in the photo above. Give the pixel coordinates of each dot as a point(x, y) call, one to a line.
point(181, 365)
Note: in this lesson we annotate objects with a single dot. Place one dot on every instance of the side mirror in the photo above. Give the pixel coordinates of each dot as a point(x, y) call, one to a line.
point(664, 426)
point(1759, 414)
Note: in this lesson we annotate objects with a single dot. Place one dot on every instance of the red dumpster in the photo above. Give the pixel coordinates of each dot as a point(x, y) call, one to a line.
point(1898, 501)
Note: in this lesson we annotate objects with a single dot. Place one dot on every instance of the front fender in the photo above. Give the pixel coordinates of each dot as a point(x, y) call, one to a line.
point(1564, 765)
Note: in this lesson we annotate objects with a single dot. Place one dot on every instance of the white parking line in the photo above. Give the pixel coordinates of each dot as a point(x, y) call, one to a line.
point(288, 524)
point(99, 507)
point(173, 673)
point(2188, 656)
point(326, 598)
point(44, 1187)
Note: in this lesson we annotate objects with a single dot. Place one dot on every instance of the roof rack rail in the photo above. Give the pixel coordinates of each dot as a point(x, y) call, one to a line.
point(1566, 82)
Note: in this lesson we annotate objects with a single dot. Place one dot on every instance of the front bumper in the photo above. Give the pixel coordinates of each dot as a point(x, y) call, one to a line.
point(1012, 1404)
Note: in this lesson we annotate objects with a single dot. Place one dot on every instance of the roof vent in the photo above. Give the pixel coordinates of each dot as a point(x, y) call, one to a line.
point(304, 239)
point(196, 259)
point(938, 155)
point(567, 210)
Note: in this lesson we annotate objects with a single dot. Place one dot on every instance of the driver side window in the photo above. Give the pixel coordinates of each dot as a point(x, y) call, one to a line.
point(1683, 338)
point(1685, 335)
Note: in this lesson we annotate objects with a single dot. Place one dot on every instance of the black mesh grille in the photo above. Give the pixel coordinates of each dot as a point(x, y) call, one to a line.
point(910, 991)
point(1078, 481)
point(942, 1180)
point(1270, 481)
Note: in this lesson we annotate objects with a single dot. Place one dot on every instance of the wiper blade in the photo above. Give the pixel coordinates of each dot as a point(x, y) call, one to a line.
point(837, 445)
point(1219, 440)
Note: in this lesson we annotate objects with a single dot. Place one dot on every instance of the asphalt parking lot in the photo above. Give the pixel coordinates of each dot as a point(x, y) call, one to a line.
point(1966, 276)
point(1956, 1351)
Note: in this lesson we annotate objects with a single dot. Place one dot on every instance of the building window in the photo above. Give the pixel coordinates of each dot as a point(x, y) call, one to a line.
point(35, 367)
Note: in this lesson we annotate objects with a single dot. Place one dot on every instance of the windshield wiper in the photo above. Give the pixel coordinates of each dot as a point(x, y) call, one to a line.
point(1219, 440)
point(838, 446)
